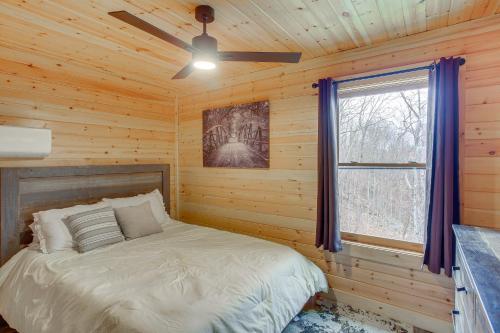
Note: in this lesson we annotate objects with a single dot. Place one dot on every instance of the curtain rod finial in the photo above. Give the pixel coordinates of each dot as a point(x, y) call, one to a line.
point(314, 85)
point(462, 61)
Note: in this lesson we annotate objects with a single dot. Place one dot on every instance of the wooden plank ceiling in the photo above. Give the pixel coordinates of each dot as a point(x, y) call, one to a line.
point(80, 34)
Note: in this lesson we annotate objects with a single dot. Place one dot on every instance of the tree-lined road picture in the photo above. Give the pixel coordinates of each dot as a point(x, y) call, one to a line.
point(237, 136)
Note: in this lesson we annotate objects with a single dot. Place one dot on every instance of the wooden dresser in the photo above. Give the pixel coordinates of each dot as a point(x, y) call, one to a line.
point(477, 280)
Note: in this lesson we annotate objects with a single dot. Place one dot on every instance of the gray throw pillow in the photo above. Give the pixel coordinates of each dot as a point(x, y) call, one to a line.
point(137, 221)
point(94, 228)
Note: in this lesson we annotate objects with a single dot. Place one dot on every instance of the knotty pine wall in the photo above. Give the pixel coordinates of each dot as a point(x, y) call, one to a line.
point(97, 118)
point(279, 204)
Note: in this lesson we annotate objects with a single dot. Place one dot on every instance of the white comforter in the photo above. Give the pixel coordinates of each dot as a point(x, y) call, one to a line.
point(186, 279)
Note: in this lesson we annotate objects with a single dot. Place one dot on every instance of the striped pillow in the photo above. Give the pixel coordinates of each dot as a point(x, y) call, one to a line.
point(94, 228)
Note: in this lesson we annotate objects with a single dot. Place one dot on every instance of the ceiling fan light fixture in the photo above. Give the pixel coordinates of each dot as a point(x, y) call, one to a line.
point(205, 60)
point(204, 64)
point(205, 54)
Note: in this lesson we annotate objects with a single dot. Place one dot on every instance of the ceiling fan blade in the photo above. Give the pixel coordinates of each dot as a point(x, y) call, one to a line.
point(184, 72)
point(151, 29)
point(290, 57)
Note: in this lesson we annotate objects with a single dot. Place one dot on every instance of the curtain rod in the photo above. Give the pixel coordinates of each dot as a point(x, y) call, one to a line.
point(315, 85)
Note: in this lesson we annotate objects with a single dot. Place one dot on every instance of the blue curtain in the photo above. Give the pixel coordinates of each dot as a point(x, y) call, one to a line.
point(327, 222)
point(442, 200)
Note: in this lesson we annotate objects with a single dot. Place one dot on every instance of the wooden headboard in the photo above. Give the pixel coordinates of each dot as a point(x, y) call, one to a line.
point(24, 191)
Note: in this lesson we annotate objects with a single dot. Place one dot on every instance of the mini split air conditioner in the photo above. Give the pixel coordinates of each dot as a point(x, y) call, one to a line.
point(23, 142)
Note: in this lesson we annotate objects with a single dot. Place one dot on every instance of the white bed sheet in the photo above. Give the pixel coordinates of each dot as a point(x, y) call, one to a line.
point(185, 279)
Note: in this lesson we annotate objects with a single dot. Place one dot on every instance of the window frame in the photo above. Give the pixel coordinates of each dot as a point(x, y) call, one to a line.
point(369, 239)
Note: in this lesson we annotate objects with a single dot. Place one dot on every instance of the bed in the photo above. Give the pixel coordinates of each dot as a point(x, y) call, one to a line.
point(185, 279)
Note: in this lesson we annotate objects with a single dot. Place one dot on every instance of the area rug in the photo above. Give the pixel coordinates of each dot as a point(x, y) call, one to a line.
point(342, 318)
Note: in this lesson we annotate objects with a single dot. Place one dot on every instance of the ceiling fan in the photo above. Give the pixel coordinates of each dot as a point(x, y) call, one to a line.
point(204, 47)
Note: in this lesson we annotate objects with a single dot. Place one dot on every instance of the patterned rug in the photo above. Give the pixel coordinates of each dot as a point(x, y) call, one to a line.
point(342, 318)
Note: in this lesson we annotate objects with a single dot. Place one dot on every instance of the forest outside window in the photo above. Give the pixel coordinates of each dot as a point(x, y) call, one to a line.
point(382, 160)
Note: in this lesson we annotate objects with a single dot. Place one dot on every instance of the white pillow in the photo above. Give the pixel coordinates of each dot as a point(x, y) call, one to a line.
point(154, 198)
point(50, 230)
point(35, 243)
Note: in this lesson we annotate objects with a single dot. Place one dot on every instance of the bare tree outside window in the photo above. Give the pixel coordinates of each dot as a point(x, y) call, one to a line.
point(382, 156)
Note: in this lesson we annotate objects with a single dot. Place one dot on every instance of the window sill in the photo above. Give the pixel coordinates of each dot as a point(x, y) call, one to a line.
point(380, 254)
point(386, 243)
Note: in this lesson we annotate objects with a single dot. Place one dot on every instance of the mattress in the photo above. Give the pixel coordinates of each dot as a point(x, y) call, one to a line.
point(185, 279)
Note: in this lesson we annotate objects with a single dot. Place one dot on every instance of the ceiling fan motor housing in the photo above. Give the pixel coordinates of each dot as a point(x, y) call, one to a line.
point(205, 44)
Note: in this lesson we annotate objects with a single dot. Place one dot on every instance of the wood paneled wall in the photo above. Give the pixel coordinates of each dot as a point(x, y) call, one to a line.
point(96, 117)
point(279, 204)
point(99, 116)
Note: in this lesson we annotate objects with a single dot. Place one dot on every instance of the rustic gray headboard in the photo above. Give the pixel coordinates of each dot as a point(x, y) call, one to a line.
point(24, 191)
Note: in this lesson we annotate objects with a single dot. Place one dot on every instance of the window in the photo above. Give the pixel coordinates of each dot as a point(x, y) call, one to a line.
point(382, 158)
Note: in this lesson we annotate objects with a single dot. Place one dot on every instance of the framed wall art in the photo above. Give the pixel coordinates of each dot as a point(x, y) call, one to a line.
point(236, 136)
